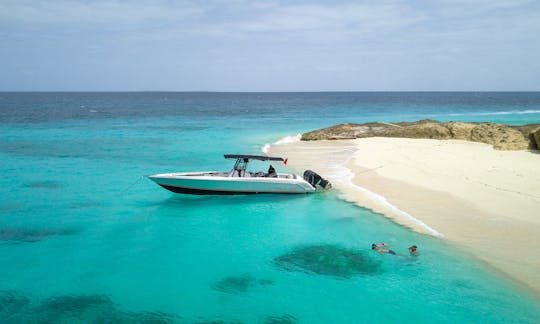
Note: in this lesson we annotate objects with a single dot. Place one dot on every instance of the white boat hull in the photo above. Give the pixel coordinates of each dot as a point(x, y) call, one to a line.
point(208, 183)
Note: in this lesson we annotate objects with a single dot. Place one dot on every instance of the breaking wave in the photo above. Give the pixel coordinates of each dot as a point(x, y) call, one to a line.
point(495, 113)
point(283, 140)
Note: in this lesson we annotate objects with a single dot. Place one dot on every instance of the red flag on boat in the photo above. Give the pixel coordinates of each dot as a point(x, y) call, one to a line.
point(285, 161)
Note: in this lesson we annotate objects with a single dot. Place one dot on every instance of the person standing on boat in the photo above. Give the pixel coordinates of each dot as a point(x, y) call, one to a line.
point(271, 172)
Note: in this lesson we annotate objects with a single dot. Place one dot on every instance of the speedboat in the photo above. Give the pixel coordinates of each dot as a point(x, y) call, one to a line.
point(241, 181)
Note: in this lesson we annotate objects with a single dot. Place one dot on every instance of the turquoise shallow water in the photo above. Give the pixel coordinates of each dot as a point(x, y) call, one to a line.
point(83, 236)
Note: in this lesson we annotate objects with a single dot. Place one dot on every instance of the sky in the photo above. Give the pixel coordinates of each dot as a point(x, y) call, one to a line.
point(237, 45)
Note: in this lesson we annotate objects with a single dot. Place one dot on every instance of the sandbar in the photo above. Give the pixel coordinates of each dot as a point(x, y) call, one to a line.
point(484, 200)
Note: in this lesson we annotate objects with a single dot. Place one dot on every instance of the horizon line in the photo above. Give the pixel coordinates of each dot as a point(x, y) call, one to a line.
point(305, 91)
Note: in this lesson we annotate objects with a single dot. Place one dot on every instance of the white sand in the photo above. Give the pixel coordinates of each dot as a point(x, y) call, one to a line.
point(484, 200)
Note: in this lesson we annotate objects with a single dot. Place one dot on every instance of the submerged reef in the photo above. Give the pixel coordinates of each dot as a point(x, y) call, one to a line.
point(9, 207)
point(328, 260)
point(11, 303)
point(502, 137)
point(239, 284)
point(283, 319)
point(43, 184)
point(15, 308)
point(218, 321)
point(536, 138)
point(30, 235)
point(91, 308)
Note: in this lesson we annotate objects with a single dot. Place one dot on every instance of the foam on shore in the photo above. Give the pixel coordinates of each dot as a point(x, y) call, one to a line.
point(383, 201)
point(346, 176)
point(281, 141)
point(342, 177)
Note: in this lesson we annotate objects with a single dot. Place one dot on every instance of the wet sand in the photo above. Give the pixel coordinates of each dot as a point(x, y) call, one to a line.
point(484, 200)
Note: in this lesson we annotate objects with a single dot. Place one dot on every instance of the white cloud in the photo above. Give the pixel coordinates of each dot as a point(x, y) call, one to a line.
point(102, 11)
point(388, 21)
point(307, 41)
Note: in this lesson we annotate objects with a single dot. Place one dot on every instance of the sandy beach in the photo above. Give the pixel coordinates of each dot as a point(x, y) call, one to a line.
point(484, 200)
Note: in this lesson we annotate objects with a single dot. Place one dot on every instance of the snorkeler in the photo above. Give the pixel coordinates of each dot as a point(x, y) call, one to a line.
point(379, 248)
point(381, 244)
point(413, 250)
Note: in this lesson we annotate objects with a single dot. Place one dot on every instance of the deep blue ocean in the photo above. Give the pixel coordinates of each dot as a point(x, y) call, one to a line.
point(85, 238)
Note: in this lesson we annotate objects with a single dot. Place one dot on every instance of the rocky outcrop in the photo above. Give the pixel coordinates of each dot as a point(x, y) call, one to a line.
point(460, 131)
point(502, 137)
point(536, 138)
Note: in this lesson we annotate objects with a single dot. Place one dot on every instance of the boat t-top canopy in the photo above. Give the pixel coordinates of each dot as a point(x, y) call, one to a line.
point(253, 157)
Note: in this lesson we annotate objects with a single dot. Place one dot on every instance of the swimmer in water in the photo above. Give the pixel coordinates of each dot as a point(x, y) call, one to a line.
point(379, 248)
point(413, 250)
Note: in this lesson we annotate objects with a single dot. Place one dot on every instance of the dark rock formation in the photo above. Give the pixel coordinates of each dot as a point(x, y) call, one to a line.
point(502, 137)
point(535, 136)
point(328, 260)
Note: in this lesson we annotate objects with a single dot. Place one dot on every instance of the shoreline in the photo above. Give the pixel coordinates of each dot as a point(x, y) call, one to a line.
point(479, 198)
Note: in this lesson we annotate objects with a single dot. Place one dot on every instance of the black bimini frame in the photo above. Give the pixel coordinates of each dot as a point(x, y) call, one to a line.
point(253, 157)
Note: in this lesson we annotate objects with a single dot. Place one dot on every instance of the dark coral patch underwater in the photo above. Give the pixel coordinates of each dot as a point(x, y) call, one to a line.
point(11, 303)
point(239, 284)
point(283, 319)
point(15, 308)
point(30, 235)
point(217, 321)
point(91, 308)
point(44, 185)
point(330, 260)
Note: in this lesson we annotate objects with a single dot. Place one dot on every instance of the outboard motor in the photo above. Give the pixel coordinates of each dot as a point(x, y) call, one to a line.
point(316, 180)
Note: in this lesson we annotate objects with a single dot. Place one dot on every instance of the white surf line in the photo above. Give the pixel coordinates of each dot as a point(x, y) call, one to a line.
point(349, 175)
point(494, 113)
point(283, 140)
